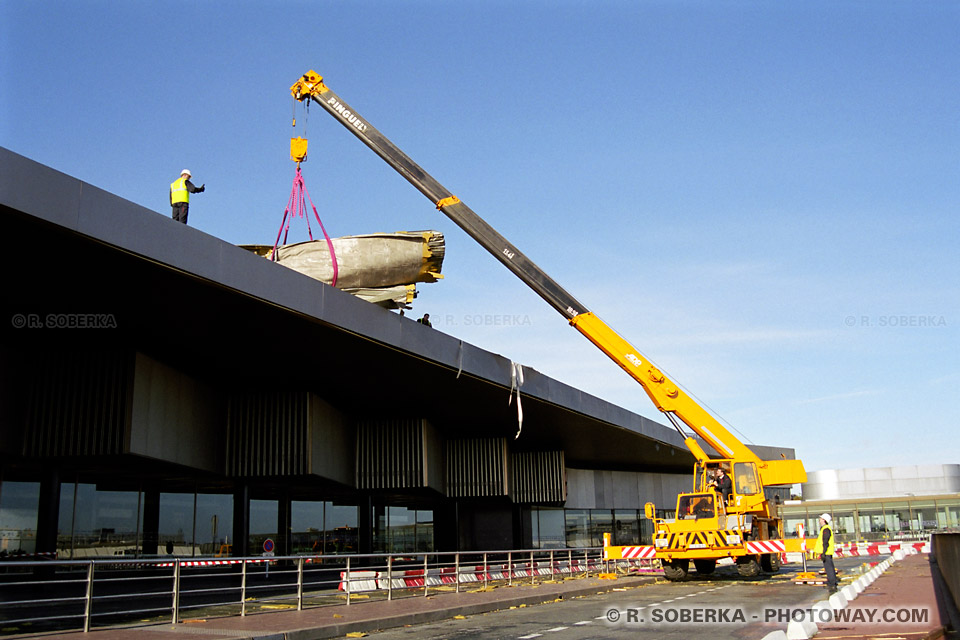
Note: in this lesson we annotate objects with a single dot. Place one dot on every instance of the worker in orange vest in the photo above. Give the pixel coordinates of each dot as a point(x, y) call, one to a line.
point(180, 190)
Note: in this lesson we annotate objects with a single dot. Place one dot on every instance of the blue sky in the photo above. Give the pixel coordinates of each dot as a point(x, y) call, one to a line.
point(761, 196)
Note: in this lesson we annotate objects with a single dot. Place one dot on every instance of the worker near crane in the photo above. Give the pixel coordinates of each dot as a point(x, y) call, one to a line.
point(825, 547)
point(180, 190)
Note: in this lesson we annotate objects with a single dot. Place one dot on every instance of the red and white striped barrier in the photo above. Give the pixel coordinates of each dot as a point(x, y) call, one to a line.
point(766, 546)
point(413, 578)
point(878, 549)
point(210, 563)
point(646, 552)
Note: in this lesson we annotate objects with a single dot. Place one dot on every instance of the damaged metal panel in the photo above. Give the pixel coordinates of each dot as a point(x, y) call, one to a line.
point(477, 467)
point(538, 477)
point(402, 453)
point(379, 267)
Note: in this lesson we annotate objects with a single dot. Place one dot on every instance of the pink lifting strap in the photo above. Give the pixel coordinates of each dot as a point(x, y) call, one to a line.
point(297, 208)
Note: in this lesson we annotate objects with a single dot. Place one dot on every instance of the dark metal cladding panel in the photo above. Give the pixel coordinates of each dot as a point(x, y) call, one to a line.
point(267, 434)
point(538, 477)
point(394, 453)
point(78, 403)
point(476, 468)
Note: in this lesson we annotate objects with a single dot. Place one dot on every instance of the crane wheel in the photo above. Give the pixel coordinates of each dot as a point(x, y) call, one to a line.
point(748, 566)
point(770, 562)
point(676, 569)
point(705, 567)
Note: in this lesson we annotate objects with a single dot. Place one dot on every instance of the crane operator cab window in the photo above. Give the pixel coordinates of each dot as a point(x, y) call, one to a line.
point(745, 478)
point(696, 506)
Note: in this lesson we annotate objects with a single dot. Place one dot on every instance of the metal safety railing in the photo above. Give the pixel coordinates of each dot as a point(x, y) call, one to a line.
point(84, 594)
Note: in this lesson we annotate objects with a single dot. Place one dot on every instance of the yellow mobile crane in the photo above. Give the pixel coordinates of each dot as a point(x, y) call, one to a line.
point(706, 527)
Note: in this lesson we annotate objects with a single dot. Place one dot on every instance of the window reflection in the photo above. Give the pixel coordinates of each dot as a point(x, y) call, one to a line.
point(18, 517)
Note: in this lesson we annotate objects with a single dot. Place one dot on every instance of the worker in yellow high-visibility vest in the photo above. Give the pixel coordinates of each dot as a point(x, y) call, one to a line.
point(825, 548)
point(180, 190)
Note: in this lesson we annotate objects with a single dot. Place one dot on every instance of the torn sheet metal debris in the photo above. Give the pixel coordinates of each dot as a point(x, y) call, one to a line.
point(379, 267)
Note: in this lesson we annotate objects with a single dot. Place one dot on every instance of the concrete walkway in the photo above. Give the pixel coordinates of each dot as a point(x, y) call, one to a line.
point(906, 587)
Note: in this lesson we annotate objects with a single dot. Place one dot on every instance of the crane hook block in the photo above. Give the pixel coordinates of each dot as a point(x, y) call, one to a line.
point(298, 149)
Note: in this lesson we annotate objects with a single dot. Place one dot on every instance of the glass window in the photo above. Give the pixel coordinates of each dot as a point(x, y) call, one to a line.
point(264, 515)
point(403, 530)
point(696, 506)
point(844, 524)
point(646, 531)
point(176, 524)
point(601, 522)
point(214, 528)
point(924, 515)
point(424, 532)
point(871, 522)
point(745, 478)
point(550, 526)
point(340, 528)
point(791, 523)
point(102, 522)
point(626, 527)
point(952, 515)
point(19, 503)
point(306, 527)
point(897, 520)
point(577, 527)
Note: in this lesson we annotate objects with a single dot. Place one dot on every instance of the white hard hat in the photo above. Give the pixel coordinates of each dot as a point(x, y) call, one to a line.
point(826, 517)
point(186, 171)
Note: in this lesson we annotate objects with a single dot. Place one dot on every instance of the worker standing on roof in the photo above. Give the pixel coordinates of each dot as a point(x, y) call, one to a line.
point(180, 190)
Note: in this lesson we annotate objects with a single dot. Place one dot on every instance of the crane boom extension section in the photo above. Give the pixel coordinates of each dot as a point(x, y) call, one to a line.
point(665, 394)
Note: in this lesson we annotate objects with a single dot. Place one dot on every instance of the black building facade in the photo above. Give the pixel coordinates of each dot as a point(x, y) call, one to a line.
point(165, 392)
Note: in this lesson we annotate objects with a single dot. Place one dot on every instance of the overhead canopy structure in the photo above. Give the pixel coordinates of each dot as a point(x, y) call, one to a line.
point(382, 268)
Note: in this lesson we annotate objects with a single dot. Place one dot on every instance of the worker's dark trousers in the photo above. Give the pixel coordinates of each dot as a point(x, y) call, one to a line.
point(830, 570)
point(180, 212)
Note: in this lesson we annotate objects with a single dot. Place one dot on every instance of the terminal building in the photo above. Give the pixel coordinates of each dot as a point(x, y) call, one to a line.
point(163, 392)
point(880, 503)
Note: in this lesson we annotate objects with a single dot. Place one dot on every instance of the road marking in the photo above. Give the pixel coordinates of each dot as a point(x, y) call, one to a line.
point(583, 622)
point(556, 629)
point(532, 635)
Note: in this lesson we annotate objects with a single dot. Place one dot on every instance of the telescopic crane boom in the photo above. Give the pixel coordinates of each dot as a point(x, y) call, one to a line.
point(677, 405)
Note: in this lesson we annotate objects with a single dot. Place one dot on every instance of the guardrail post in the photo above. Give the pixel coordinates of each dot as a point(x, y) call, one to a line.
point(510, 568)
point(88, 608)
point(425, 569)
point(533, 569)
point(586, 562)
point(300, 584)
point(243, 587)
point(456, 569)
point(389, 577)
point(552, 572)
point(348, 580)
point(485, 571)
point(176, 591)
